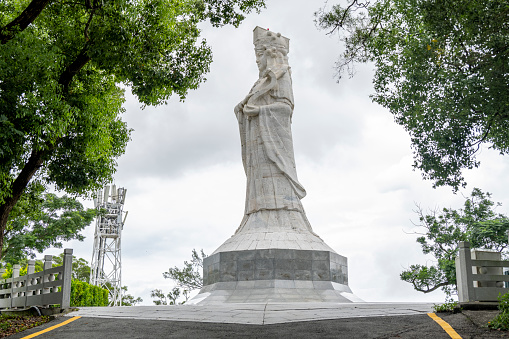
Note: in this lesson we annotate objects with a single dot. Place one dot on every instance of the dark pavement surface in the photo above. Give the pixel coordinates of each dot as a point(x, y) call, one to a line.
point(467, 325)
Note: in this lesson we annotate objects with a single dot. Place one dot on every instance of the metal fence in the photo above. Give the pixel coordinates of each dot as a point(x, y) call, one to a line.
point(479, 275)
point(51, 286)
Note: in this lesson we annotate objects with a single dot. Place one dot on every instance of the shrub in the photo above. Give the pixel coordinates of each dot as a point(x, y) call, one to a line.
point(84, 294)
point(501, 321)
point(451, 306)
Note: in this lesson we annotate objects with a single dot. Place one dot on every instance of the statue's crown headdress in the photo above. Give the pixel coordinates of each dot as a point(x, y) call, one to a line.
point(265, 37)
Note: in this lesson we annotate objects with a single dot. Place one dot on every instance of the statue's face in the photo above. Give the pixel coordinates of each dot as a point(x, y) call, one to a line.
point(261, 60)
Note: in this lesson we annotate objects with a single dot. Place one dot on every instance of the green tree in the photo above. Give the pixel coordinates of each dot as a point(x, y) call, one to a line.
point(441, 69)
point(477, 222)
point(171, 298)
point(39, 221)
point(129, 300)
point(80, 268)
point(63, 66)
point(187, 279)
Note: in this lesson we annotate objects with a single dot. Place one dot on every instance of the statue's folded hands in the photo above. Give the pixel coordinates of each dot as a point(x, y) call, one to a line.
point(251, 110)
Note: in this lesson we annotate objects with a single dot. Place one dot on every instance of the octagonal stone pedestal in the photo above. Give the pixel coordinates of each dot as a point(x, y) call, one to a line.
point(276, 275)
point(268, 260)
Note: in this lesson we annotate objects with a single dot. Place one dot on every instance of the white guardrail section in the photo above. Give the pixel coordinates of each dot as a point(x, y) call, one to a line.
point(49, 287)
point(479, 274)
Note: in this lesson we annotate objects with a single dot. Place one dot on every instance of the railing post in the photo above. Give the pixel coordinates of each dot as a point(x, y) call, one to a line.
point(48, 263)
point(2, 282)
point(15, 274)
point(31, 266)
point(67, 276)
point(464, 280)
point(15, 270)
point(30, 270)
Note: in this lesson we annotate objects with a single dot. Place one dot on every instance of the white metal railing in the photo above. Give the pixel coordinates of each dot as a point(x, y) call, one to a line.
point(51, 286)
point(486, 284)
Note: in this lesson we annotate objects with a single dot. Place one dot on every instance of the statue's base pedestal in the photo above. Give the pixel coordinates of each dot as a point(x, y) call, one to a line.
point(279, 291)
point(275, 257)
point(275, 275)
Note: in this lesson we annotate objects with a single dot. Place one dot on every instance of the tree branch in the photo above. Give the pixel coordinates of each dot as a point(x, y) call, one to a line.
point(23, 20)
point(66, 77)
point(432, 289)
point(92, 12)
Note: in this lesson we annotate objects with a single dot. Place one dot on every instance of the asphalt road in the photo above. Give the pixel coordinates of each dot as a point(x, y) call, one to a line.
point(413, 326)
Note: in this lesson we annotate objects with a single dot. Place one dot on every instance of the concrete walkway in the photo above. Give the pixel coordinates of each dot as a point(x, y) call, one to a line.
point(256, 314)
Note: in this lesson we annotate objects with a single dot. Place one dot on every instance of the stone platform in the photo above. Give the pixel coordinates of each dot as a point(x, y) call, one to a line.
point(256, 313)
point(275, 257)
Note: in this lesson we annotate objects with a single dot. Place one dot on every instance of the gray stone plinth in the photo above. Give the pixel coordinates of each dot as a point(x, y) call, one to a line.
point(275, 275)
point(275, 264)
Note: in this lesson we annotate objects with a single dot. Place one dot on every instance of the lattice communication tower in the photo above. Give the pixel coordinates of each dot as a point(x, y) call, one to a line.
point(106, 259)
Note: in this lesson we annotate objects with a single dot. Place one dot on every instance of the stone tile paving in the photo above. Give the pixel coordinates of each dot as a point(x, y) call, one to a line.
point(256, 313)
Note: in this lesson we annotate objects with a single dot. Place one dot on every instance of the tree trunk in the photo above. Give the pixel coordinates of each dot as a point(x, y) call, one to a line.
point(23, 20)
point(18, 186)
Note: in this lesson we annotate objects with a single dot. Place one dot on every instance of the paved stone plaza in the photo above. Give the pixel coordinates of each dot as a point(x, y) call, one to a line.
point(256, 313)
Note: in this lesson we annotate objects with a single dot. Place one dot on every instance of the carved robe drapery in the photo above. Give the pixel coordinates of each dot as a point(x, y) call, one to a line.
point(267, 145)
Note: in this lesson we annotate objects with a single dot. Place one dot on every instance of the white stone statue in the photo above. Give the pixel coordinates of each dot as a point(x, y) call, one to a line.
point(264, 118)
point(274, 256)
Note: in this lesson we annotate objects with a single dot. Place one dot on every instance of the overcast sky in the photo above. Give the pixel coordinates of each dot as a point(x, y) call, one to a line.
point(186, 184)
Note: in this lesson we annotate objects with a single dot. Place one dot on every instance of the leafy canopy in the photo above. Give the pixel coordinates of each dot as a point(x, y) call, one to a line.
point(39, 221)
point(63, 70)
point(477, 222)
point(441, 69)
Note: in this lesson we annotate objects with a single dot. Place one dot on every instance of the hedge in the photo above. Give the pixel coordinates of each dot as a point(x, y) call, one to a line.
point(84, 294)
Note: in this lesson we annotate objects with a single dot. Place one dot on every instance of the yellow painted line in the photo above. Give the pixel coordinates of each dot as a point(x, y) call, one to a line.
point(447, 328)
point(51, 328)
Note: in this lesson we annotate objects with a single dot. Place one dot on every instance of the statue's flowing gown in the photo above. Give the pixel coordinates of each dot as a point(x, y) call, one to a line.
point(273, 192)
point(267, 149)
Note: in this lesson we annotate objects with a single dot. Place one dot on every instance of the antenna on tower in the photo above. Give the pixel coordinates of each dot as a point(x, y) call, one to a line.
point(106, 269)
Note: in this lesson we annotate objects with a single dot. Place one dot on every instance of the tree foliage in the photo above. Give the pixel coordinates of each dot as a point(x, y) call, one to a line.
point(477, 222)
point(128, 299)
point(187, 279)
point(63, 69)
point(442, 69)
point(80, 267)
point(39, 221)
point(172, 298)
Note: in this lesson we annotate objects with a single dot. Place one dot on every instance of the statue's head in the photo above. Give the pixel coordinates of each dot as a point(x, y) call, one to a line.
point(271, 48)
